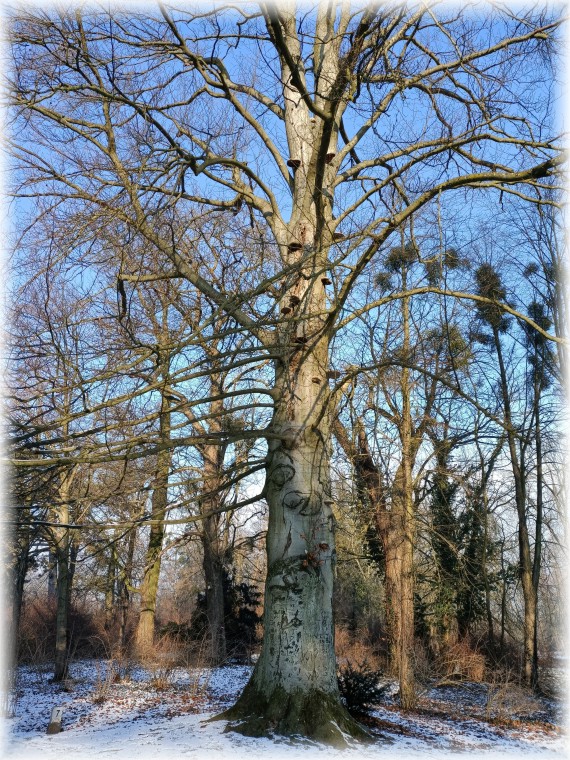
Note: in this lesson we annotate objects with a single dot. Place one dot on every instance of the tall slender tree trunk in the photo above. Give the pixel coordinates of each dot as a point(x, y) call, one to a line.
point(110, 587)
point(485, 570)
point(537, 560)
point(404, 634)
point(52, 576)
point(404, 502)
point(144, 635)
point(212, 541)
point(64, 581)
point(17, 575)
point(123, 595)
point(525, 561)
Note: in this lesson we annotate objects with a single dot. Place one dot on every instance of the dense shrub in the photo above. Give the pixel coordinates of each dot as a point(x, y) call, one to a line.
point(359, 687)
point(460, 662)
point(241, 619)
point(36, 640)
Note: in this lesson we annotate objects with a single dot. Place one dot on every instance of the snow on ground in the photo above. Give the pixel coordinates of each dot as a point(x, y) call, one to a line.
point(137, 718)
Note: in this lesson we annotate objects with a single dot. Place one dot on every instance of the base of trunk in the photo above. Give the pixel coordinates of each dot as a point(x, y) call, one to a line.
point(313, 715)
point(408, 697)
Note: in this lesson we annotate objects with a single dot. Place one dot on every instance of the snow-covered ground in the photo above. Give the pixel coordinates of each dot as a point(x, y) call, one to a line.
point(135, 718)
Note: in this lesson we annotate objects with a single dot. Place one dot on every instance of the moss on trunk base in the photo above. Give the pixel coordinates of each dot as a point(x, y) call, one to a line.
point(314, 715)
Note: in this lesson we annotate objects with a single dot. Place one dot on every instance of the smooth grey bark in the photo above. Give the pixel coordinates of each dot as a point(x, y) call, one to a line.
point(294, 683)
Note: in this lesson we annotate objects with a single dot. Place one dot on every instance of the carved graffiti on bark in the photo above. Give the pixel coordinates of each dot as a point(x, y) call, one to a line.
point(296, 500)
point(282, 474)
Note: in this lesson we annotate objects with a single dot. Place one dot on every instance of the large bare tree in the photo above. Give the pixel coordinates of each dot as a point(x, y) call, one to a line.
point(330, 127)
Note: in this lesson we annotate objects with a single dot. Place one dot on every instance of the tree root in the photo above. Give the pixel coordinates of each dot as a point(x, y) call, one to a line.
point(314, 715)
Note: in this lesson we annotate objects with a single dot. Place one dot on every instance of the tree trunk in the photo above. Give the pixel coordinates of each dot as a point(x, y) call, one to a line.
point(110, 587)
point(124, 581)
point(17, 577)
point(52, 576)
point(404, 501)
point(294, 686)
point(400, 586)
point(395, 530)
point(536, 565)
point(63, 582)
point(212, 541)
point(525, 562)
point(490, 629)
point(62, 611)
point(213, 574)
point(144, 635)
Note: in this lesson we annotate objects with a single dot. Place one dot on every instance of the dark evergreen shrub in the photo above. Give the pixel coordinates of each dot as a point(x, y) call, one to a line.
point(359, 687)
point(240, 618)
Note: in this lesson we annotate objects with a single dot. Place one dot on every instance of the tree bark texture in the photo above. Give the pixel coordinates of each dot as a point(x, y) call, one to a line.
point(144, 635)
point(294, 685)
point(401, 598)
point(123, 595)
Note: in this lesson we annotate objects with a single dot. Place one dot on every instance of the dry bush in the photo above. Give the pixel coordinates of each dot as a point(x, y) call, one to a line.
point(461, 662)
point(36, 636)
point(507, 699)
point(104, 682)
point(36, 641)
point(423, 666)
point(167, 654)
point(355, 649)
